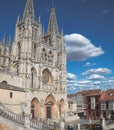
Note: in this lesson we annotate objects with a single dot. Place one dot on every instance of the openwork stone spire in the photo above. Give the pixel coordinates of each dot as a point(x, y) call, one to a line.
point(29, 10)
point(52, 26)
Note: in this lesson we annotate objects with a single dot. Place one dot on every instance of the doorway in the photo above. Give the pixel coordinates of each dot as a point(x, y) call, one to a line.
point(50, 107)
point(35, 108)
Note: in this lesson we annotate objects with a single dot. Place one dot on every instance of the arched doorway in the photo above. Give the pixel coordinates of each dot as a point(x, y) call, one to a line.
point(35, 108)
point(50, 107)
point(61, 108)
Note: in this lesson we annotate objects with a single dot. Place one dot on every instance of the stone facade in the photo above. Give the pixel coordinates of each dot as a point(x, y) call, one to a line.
point(33, 73)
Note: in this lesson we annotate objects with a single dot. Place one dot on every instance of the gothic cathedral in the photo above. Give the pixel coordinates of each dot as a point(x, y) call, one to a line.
point(33, 70)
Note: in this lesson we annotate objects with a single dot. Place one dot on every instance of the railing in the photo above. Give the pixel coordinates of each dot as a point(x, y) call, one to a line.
point(37, 124)
point(34, 124)
point(4, 112)
point(43, 125)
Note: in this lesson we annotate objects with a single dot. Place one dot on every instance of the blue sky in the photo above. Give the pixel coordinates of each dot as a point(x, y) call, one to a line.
point(89, 37)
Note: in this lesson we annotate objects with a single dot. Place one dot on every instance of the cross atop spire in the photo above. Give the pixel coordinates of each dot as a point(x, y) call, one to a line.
point(29, 10)
point(52, 26)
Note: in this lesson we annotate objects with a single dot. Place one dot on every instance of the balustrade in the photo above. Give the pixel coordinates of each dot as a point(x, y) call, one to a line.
point(37, 124)
point(4, 112)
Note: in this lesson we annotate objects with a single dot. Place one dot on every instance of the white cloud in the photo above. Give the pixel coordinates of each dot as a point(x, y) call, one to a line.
point(111, 80)
point(94, 81)
point(96, 77)
point(89, 64)
point(71, 76)
point(80, 48)
point(83, 82)
point(98, 71)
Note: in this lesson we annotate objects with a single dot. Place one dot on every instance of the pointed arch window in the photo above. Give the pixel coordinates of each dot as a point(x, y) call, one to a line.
point(34, 51)
point(33, 78)
point(35, 34)
point(17, 68)
point(19, 51)
point(4, 61)
point(50, 57)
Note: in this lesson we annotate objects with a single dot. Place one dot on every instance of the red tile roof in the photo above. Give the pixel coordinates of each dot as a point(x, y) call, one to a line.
point(93, 92)
point(108, 98)
point(87, 92)
point(107, 95)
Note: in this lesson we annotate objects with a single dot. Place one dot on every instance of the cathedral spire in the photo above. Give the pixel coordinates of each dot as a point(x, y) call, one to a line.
point(52, 26)
point(29, 10)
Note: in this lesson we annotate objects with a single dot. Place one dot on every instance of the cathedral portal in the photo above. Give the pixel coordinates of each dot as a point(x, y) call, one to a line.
point(50, 107)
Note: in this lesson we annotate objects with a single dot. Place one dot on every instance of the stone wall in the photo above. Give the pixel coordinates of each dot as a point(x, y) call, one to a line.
point(11, 79)
point(13, 103)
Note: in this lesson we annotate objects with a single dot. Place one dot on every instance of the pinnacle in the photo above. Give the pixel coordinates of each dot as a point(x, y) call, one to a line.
point(52, 26)
point(29, 10)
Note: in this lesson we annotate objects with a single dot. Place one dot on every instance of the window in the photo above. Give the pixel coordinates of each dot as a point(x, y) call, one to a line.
point(103, 106)
point(4, 82)
point(110, 105)
point(112, 115)
point(33, 78)
point(50, 57)
point(44, 55)
point(92, 102)
point(17, 69)
point(19, 50)
point(11, 94)
point(32, 110)
point(4, 61)
point(107, 105)
point(34, 51)
point(79, 100)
